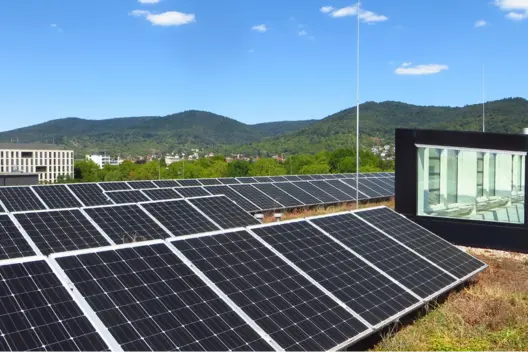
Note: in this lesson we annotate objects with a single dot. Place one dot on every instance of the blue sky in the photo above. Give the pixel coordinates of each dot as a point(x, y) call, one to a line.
point(252, 60)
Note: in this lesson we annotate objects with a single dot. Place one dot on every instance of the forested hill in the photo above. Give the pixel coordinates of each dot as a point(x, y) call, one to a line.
point(380, 119)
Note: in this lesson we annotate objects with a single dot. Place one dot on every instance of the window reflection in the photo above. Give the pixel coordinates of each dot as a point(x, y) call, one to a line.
point(468, 184)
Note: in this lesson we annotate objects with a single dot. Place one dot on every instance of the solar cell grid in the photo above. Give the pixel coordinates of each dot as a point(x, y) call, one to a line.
point(38, 313)
point(263, 179)
point(151, 301)
point(246, 180)
point(424, 242)
point(126, 223)
point(254, 195)
point(287, 306)
point(278, 178)
point(188, 182)
point(60, 230)
point(161, 194)
point(12, 243)
point(179, 217)
point(406, 267)
point(305, 177)
point(366, 291)
point(209, 181)
point(166, 183)
point(376, 186)
point(334, 192)
point(20, 199)
point(228, 181)
point(224, 212)
point(141, 184)
point(57, 197)
point(114, 186)
point(192, 192)
point(316, 192)
point(365, 192)
point(89, 193)
point(298, 193)
point(346, 188)
point(279, 195)
point(123, 197)
point(293, 178)
point(318, 177)
point(234, 196)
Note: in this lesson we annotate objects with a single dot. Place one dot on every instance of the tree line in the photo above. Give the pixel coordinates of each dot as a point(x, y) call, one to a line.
point(338, 161)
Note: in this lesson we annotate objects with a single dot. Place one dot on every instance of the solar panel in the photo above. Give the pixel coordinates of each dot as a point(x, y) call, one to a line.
point(161, 194)
point(346, 188)
point(224, 212)
point(246, 180)
point(254, 195)
point(406, 267)
point(334, 192)
point(264, 179)
point(228, 181)
point(60, 230)
point(318, 177)
point(293, 178)
point(141, 184)
point(316, 192)
point(180, 218)
point(166, 183)
point(329, 176)
point(192, 192)
point(151, 301)
point(279, 195)
point(339, 175)
point(126, 223)
point(122, 197)
point(386, 183)
point(287, 306)
point(57, 197)
point(298, 193)
point(361, 287)
point(20, 199)
point(305, 177)
point(12, 242)
point(278, 178)
point(424, 242)
point(234, 196)
point(188, 182)
point(38, 313)
point(209, 181)
point(365, 192)
point(114, 186)
point(89, 193)
point(376, 186)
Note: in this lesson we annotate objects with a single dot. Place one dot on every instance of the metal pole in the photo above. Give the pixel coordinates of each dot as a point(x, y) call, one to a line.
point(483, 103)
point(357, 112)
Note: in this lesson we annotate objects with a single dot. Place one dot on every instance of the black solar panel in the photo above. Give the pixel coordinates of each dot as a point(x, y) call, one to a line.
point(294, 178)
point(329, 176)
point(189, 192)
point(246, 180)
point(122, 197)
point(376, 186)
point(38, 313)
point(166, 183)
point(180, 218)
point(278, 178)
point(57, 197)
point(114, 186)
point(60, 230)
point(209, 181)
point(298, 193)
point(260, 199)
point(305, 177)
point(188, 182)
point(346, 188)
point(161, 194)
point(89, 193)
point(406, 267)
point(366, 192)
point(151, 301)
point(126, 223)
point(234, 196)
point(228, 181)
point(316, 192)
point(142, 184)
point(386, 183)
point(288, 307)
point(427, 244)
point(12, 243)
point(370, 294)
point(318, 177)
point(339, 175)
point(224, 212)
point(279, 195)
point(334, 192)
point(261, 179)
point(20, 199)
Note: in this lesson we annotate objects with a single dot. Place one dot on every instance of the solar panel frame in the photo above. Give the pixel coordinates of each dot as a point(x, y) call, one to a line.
point(293, 178)
point(161, 194)
point(236, 197)
point(209, 181)
point(298, 193)
point(305, 177)
point(114, 186)
point(286, 199)
point(142, 184)
point(187, 182)
point(263, 179)
point(166, 183)
point(346, 188)
point(57, 196)
point(13, 236)
point(228, 180)
point(28, 200)
point(192, 191)
point(375, 186)
point(334, 192)
point(317, 192)
point(364, 191)
point(262, 200)
point(126, 197)
point(275, 179)
point(246, 180)
point(223, 211)
point(89, 198)
point(317, 177)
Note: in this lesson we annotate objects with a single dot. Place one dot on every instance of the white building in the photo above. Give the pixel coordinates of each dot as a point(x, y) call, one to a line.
point(47, 160)
point(169, 159)
point(103, 159)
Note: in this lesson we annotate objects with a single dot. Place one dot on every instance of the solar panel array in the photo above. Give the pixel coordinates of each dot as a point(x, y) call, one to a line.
point(203, 274)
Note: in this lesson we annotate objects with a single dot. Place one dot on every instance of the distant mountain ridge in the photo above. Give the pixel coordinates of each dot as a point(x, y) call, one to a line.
point(200, 129)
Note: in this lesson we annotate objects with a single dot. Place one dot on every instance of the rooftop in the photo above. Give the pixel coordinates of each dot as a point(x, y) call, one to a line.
point(30, 146)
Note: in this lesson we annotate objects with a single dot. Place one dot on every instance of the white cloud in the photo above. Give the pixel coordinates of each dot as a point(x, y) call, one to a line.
point(56, 27)
point(480, 23)
point(327, 9)
point(430, 69)
point(406, 64)
point(364, 15)
point(169, 18)
point(302, 33)
point(518, 9)
point(148, 1)
point(260, 28)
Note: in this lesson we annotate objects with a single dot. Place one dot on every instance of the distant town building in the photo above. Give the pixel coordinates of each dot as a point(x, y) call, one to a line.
point(169, 159)
point(47, 160)
point(102, 159)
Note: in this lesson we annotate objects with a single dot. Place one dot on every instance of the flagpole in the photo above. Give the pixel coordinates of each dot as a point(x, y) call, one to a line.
point(357, 112)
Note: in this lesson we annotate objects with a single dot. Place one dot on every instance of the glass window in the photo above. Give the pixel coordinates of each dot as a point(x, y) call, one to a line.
point(471, 184)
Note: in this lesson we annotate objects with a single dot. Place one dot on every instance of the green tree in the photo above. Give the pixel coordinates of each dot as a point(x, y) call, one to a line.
point(295, 163)
point(237, 168)
point(315, 169)
point(216, 169)
point(347, 164)
point(86, 171)
point(266, 167)
point(337, 156)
